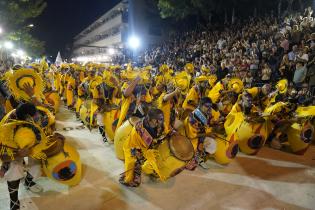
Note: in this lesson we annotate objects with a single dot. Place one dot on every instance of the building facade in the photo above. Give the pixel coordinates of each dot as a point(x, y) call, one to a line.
point(109, 34)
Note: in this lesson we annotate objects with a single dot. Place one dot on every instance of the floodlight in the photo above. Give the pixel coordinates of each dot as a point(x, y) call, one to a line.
point(134, 42)
point(8, 45)
point(111, 51)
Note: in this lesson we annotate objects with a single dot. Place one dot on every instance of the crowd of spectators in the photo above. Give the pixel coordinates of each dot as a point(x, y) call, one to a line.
point(259, 50)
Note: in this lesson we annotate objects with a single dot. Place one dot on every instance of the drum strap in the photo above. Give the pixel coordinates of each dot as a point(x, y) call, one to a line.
point(144, 134)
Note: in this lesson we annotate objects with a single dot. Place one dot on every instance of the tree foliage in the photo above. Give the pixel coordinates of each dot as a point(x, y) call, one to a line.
point(14, 17)
point(180, 9)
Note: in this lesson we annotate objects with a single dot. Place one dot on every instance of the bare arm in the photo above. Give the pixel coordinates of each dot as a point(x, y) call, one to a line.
point(169, 96)
point(131, 87)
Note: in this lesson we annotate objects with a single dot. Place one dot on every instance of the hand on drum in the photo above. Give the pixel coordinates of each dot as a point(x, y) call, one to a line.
point(23, 152)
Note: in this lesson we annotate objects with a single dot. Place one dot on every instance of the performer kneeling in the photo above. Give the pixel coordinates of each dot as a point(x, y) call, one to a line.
point(139, 143)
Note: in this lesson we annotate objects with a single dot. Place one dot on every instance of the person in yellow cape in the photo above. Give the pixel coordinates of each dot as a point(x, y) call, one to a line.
point(63, 80)
point(83, 91)
point(135, 98)
point(138, 148)
point(166, 102)
point(109, 91)
point(247, 122)
point(260, 95)
point(182, 81)
point(189, 69)
point(198, 91)
point(71, 83)
point(243, 109)
point(197, 126)
point(280, 94)
point(17, 140)
point(95, 91)
point(229, 96)
point(57, 80)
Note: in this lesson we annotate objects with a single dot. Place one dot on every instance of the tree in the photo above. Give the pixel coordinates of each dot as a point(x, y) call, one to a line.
point(180, 9)
point(14, 16)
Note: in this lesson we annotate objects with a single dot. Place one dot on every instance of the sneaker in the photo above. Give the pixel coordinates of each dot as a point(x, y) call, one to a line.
point(35, 188)
point(204, 165)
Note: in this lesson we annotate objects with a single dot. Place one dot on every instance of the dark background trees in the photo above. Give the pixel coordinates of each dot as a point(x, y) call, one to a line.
point(16, 18)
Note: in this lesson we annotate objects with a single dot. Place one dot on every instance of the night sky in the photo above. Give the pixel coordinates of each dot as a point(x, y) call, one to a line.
point(62, 20)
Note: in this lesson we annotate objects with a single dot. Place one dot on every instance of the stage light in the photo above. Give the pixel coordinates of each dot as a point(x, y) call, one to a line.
point(20, 53)
point(8, 45)
point(134, 42)
point(111, 51)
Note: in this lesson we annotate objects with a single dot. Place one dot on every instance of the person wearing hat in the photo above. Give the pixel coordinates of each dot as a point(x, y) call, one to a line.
point(197, 126)
point(199, 90)
point(25, 85)
point(135, 98)
point(167, 103)
point(138, 147)
point(108, 110)
point(17, 146)
point(71, 86)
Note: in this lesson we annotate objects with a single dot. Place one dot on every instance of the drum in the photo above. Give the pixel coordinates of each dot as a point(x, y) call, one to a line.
point(227, 148)
point(181, 147)
point(233, 122)
point(300, 137)
point(53, 99)
point(122, 134)
point(64, 167)
point(251, 137)
point(56, 147)
point(168, 164)
point(210, 145)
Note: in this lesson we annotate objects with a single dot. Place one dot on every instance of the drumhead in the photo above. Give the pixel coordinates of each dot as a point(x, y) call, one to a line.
point(133, 120)
point(210, 145)
point(181, 147)
point(55, 148)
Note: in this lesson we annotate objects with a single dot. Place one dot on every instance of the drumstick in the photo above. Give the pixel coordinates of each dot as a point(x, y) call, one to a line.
point(2, 145)
point(220, 137)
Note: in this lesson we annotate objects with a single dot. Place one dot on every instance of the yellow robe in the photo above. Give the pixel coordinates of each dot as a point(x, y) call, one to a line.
point(70, 91)
point(192, 96)
point(133, 141)
point(214, 94)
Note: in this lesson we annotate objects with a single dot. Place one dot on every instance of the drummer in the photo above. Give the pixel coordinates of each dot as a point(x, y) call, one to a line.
point(135, 100)
point(137, 147)
point(199, 90)
point(260, 95)
point(198, 125)
point(166, 102)
point(12, 169)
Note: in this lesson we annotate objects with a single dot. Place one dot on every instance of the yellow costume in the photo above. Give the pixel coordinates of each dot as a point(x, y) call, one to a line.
point(139, 140)
point(70, 91)
point(215, 93)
